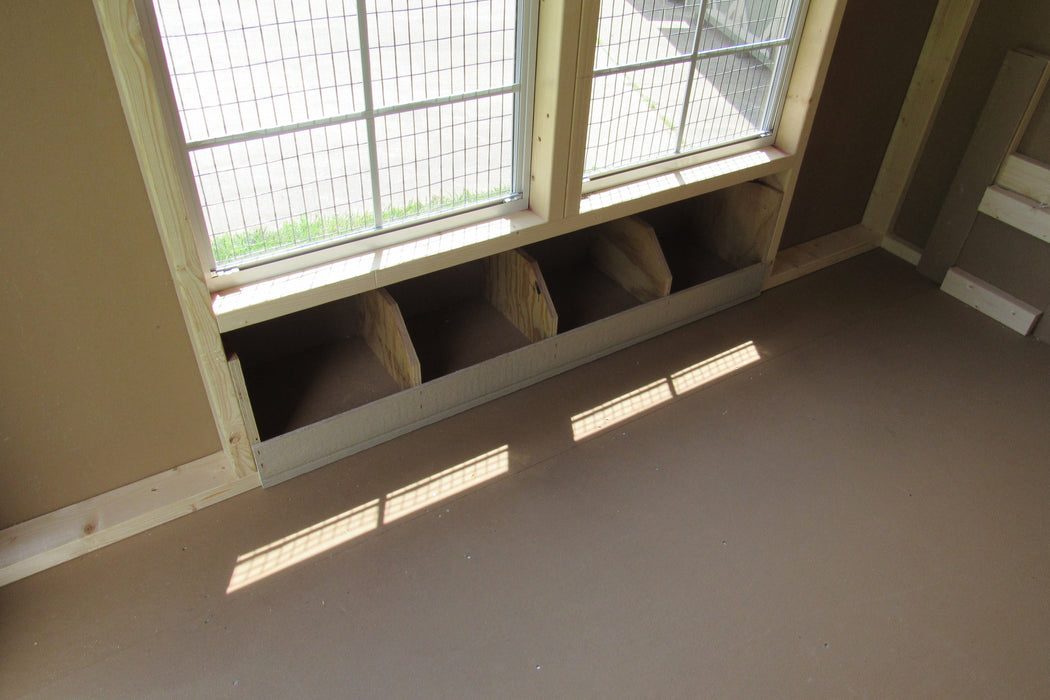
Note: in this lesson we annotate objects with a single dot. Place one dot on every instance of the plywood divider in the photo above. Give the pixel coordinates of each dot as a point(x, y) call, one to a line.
point(737, 223)
point(383, 329)
point(628, 252)
point(515, 286)
point(239, 385)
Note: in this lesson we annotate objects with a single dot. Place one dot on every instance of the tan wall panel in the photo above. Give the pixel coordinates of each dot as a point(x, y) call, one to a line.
point(999, 26)
point(858, 109)
point(98, 384)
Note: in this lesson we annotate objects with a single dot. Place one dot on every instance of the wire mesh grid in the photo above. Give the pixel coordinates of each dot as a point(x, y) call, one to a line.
point(446, 157)
point(637, 114)
point(729, 101)
point(437, 49)
point(750, 21)
point(281, 192)
point(251, 80)
point(634, 116)
point(645, 30)
point(243, 66)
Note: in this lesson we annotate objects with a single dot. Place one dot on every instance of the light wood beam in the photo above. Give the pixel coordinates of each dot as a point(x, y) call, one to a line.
point(1009, 106)
point(944, 41)
point(155, 145)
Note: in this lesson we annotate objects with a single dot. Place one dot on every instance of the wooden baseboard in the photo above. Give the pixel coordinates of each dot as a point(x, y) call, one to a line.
point(991, 301)
point(65, 534)
point(908, 252)
point(819, 253)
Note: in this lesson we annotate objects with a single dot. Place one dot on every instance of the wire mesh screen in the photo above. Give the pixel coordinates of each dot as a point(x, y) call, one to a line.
point(729, 101)
point(281, 192)
point(242, 66)
point(308, 122)
point(634, 115)
point(678, 76)
point(436, 49)
point(442, 158)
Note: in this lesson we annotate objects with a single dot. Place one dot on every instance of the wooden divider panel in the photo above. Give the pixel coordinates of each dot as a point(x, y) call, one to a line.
point(384, 330)
point(628, 252)
point(239, 386)
point(736, 223)
point(515, 286)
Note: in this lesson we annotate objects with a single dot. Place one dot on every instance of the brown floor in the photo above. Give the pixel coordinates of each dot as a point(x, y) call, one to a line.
point(865, 511)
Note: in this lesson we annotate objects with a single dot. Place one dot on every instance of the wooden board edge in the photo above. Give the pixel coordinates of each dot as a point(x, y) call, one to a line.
point(67, 533)
point(383, 328)
point(1016, 210)
point(990, 300)
point(808, 257)
point(1025, 176)
point(514, 286)
point(241, 387)
point(628, 252)
point(151, 129)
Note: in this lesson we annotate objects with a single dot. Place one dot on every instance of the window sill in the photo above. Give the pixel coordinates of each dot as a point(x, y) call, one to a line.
point(260, 301)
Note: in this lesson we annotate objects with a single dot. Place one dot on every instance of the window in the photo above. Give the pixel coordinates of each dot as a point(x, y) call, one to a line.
point(673, 77)
point(309, 123)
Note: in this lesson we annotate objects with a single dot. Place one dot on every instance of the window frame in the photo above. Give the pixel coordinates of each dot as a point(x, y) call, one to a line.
point(676, 161)
point(555, 202)
point(399, 233)
point(565, 43)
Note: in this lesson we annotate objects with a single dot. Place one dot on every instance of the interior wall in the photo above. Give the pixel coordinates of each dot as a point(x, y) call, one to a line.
point(98, 381)
point(998, 27)
point(871, 67)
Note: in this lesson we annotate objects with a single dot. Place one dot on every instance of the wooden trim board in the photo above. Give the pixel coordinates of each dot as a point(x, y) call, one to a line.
point(355, 430)
point(819, 253)
point(823, 19)
point(991, 301)
point(152, 135)
point(1026, 177)
point(1022, 213)
point(1006, 112)
point(65, 534)
point(940, 52)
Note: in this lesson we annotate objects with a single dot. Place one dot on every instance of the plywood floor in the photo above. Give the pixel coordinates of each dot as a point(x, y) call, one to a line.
point(864, 511)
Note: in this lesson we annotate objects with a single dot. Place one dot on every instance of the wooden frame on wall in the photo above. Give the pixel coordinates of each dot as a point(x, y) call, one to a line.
point(557, 207)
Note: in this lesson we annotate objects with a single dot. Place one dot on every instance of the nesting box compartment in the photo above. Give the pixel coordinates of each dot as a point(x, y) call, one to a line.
point(302, 368)
point(601, 271)
point(717, 233)
point(464, 315)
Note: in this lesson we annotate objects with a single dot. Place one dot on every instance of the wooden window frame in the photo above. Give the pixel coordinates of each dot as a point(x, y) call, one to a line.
point(565, 54)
